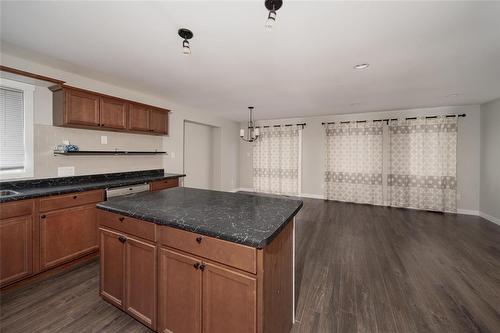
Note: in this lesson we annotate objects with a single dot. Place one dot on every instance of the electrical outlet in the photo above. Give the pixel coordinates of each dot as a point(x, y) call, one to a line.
point(65, 171)
point(172, 154)
point(104, 140)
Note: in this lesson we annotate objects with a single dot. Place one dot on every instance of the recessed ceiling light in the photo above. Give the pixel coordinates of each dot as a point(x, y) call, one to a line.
point(361, 66)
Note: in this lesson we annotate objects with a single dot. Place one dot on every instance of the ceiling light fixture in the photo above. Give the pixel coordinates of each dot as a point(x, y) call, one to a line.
point(361, 66)
point(185, 34)
point(272, 6)
point(253, 133)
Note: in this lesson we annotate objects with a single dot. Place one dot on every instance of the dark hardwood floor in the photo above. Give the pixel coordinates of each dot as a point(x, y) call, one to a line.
point(360, 268)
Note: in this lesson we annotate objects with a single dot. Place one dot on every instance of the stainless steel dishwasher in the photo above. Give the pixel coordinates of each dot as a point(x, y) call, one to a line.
point(126, 190)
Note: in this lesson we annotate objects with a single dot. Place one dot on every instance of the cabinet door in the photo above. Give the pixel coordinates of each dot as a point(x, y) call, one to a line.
point(229, 300)
point(113, 113)
point(16, 243)
point(163, 184)
point(81, 108)
point(158, 121)
point(67, 234)
point(138, 119)
point(179, 293)
point(112, 261)
point(140, 280)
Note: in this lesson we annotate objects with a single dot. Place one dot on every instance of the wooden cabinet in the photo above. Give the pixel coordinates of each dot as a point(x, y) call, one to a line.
point(138, 118)
point(229, 300)
point(113, 113)
point(140, 280)
point(16, 243)
point(74, 107)
point(179, 292)
point(148, 119)
point(67, 234)
point(203, 284)
point(16, 240)
point(128, 275)
point(82, 108)
point(112, 260)
point(158, 121)
point(159, 185)
point(199, 296)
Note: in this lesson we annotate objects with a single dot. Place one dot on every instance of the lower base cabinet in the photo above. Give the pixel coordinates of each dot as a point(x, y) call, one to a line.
point(67, 234)
point(16, 243)
point(179, 289)
point(128, 275)
point(197, 296)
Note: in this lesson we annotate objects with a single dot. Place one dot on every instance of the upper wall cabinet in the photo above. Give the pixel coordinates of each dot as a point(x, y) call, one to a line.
point(74, 107)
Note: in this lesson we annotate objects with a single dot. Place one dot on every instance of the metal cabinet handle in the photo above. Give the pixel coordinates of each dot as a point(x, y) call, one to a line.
point(121, 219)
point(43, 216)
point(198, 239)
point(202, 267)
point(122, 239)
point(196, 265)
point(74, 197)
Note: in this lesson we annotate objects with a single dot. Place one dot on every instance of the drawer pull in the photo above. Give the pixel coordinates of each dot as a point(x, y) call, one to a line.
point(196, 265)
point(122, 239)
point(43, 216)
point(74, 197)
point(202, 267)
point(198, 239)
point(121, 219)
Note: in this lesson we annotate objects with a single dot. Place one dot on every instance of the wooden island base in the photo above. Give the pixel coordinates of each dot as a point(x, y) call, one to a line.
point(178, 281)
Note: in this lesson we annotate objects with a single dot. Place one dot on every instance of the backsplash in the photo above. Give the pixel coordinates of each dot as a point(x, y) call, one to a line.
point(47, 137)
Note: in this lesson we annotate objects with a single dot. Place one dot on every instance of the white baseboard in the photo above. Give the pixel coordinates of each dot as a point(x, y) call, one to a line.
point(467, 212)
point(312, 196)
point(245, 189)
point(490, 218)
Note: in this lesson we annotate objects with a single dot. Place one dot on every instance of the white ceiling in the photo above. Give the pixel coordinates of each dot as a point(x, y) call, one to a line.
point(419, 52)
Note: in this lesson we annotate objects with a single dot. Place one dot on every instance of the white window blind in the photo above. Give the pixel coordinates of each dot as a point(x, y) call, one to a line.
point(12, 136)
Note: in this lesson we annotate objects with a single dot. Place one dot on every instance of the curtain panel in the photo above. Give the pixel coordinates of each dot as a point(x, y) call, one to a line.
point(423, 162)
point(276, 160)
point(354, 162)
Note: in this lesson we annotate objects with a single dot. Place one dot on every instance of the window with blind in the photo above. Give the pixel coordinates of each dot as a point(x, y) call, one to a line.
point(16, 129)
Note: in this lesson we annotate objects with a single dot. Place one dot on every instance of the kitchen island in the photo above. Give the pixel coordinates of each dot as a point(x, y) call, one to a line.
point(190, 260)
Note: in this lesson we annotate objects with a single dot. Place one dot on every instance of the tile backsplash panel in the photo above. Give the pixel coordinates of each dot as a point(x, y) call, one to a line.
point(47, 137)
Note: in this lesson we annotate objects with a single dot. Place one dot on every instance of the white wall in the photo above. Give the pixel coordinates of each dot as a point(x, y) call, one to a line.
point(47, 136)
point(198, 155)
point(468, 152)
point(490, 160)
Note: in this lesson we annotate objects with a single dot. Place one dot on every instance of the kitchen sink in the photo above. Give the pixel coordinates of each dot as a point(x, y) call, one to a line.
point(6, 193)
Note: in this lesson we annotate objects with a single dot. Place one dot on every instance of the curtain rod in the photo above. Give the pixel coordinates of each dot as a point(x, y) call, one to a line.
point(391, 119)
point(267, 126)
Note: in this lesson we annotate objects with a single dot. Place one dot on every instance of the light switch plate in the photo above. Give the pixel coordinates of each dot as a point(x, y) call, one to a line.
point(65, 171)
point(172, 154)
point(104, 140)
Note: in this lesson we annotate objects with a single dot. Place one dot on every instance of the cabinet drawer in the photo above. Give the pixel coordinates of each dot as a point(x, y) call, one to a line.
point(70, 200)
point(228, 253)
point(127, 225)
point(164, 184)
point(16, 208)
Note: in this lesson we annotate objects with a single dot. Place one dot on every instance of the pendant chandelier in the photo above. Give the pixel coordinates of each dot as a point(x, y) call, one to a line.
point(272, 6)
point(252, 133)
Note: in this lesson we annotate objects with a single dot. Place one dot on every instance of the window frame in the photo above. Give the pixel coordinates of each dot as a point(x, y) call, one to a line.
point(28, 101)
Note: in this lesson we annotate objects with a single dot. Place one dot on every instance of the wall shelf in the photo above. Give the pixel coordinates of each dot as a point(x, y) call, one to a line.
point(107, 152)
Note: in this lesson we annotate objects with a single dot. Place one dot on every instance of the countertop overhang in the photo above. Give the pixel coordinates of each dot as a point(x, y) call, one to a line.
point(242, 218)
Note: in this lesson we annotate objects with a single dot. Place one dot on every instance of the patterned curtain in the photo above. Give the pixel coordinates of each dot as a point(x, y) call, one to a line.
point(354, 162)
point(276, 160)
point(423, 164)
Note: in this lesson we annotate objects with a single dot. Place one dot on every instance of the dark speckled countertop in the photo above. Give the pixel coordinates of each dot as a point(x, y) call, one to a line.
point(53, 186)
point(243, 218)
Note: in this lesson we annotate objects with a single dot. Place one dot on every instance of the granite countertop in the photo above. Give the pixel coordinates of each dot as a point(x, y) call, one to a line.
point(242, 218)
point(53, 186)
